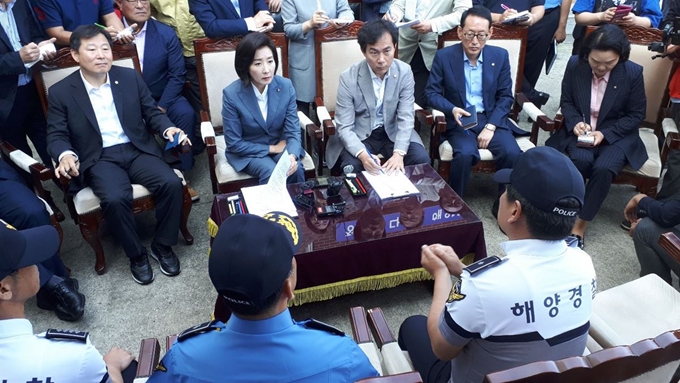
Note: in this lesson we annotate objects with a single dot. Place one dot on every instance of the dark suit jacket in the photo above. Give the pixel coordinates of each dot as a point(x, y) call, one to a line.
point(245, 131)
point(72, 125)
point(446, 86)
point(164, 72)
point(219, 18)
point(623, 108)
point(10, 61)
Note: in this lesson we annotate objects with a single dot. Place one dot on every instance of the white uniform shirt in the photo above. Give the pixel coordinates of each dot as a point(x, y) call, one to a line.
point(534, 305)
point(24, 357)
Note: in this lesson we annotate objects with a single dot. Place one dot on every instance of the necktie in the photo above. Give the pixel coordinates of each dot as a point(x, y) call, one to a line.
point(238, 8)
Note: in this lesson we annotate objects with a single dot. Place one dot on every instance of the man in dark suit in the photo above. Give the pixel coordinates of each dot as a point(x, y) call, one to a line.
point(97, 125)
point(470, 74)
point(163, 71)
point(23, 210)
point(224, 18)
point(20, 110)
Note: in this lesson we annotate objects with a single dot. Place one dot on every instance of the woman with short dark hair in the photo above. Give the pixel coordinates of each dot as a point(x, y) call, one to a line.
point(259, 113)
point(603, 103)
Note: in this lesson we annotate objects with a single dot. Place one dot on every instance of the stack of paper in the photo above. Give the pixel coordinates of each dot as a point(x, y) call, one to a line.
point(517, 18)
point(273, 196)
point(391, 185)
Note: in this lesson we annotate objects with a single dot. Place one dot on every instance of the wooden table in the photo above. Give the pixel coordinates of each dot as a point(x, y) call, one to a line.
point(376, 244)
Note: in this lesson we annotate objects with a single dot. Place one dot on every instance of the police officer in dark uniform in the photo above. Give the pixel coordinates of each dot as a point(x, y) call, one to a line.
point(253, 270)
point(53, 356)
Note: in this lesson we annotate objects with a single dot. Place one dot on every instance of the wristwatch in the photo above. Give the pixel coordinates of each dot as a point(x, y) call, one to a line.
point(491, 127)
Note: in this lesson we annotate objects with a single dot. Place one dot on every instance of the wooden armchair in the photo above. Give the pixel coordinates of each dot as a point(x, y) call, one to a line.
point(649, 360)
point(514, 40)
point(335, 50)
point(38, 173)
point(390, 361)
point(654, 129)
point(84, 205)
point(215, 65)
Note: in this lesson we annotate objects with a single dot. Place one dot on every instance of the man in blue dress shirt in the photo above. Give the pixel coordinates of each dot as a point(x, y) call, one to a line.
point(253, 270)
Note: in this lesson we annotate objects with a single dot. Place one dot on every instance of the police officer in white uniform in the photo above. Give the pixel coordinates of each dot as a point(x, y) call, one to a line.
point(54, 356)
point(533, 304)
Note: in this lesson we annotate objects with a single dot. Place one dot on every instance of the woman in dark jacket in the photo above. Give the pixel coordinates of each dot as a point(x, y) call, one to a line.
point(603, 100)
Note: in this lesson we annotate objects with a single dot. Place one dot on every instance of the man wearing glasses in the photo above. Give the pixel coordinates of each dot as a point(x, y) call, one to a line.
point(163, 70)
point(468, 75)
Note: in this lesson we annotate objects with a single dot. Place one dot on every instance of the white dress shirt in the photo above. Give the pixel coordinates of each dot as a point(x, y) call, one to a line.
point(262, 100)
point(105, 111)
point(139, 41)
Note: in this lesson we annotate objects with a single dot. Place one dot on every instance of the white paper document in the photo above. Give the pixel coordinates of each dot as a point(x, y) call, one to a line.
point(406, 24)
point(517, 18)
point(273, 196)
point(393, 185)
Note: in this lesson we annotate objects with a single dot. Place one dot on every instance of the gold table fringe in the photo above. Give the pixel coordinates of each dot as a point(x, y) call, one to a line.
point(370, 283)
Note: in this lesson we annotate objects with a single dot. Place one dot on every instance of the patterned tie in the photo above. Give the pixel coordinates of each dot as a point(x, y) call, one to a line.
point(238, 8)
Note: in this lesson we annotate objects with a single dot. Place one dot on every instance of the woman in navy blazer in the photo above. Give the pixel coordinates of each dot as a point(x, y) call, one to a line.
point(602, 62)
point(259, 113)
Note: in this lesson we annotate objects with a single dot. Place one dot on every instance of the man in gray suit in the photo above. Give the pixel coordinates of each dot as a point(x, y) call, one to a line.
point(418, 43)
point(374, 108)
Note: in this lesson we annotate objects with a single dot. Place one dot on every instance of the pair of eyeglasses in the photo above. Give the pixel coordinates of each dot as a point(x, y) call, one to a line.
point(135, 1)
point(469, 36)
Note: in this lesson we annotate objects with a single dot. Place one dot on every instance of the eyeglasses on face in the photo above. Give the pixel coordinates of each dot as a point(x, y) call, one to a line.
point(135, 1)
point(481, 36)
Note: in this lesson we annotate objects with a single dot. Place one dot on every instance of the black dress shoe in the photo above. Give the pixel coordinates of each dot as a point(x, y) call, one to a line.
point(64, 299)
point(541, 99)
point(141, 269)
point(625, 225)
point(166, 258)
point(579, 241)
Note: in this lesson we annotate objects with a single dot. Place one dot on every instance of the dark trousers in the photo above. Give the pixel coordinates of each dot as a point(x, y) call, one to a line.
point(420, 76)
point(652, 257)
point(413, 338)
point(540, 36)
point(183, 116)
point(193, 95)
point(466, 151)
point(111, 178)
point(671, 179)
point(599, 165)
point(23, 210)
point(379, 143)
point(27, 119)
point(263, 167)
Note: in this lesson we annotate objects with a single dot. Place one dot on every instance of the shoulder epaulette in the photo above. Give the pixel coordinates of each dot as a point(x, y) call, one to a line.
point(80, 336)
point(318, 325)
point(195, 330)
point(483, 264)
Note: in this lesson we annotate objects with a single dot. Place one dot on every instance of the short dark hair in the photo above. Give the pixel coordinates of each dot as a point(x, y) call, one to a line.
point(87, 31)
point(245, 53)
point(373, 30)
point(545, 225)
point(608, 37)
point(478, 11)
